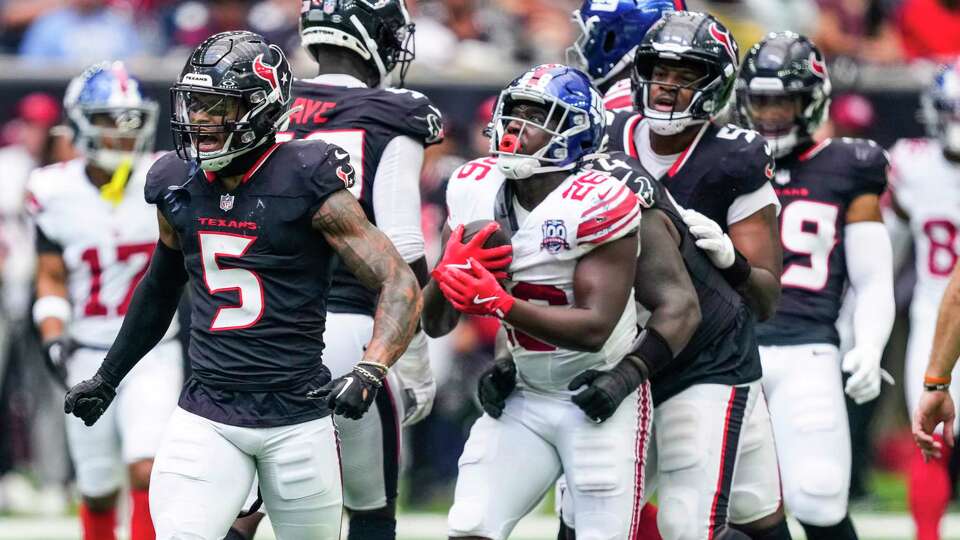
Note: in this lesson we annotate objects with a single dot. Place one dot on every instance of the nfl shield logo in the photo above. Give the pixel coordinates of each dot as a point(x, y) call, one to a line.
point(226, 202)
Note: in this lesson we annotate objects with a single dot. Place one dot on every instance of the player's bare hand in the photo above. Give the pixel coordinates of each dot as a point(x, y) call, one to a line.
point(495, 259)
point(352, 394)
point(495, 385)
point(89, 399)
point(935, 407)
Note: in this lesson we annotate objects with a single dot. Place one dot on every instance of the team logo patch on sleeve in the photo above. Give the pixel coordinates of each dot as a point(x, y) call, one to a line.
point(346, 174)
point(554, 236)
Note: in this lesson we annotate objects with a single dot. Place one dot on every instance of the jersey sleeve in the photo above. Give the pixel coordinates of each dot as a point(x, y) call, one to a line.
point(610, 212)
point(619, 97)
point(749, 166)
point(331, 174)
point(415, 115)
point(869, 168)
point(460, 195)
point(38, 199)
point(168, 170)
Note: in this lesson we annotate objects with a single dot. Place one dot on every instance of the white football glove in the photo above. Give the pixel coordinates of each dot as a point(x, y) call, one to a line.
point(710, 238)
point(863, 365)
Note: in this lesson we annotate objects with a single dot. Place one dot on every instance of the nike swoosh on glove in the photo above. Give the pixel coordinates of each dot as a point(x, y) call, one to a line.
point(495, 385)
point(606, 390)
point(457, 253)
point(710, 238)
point(89, 399)
point(352, 394)
point(474, 291)
point(863, 365)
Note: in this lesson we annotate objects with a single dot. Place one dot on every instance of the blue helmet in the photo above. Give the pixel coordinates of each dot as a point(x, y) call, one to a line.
point(940, 108)
point(105, 102)
point(574, 119)
point(610, 31)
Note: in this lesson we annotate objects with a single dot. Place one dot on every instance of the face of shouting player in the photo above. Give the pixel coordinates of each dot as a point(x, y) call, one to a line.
point(212, 112)
point(673, 84)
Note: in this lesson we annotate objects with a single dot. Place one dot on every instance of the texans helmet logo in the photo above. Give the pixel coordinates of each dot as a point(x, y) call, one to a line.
point(817, 67)
point(723, 37)
point(266, 72)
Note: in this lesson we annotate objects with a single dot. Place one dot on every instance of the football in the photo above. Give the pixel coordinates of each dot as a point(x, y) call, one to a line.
point(497, 239)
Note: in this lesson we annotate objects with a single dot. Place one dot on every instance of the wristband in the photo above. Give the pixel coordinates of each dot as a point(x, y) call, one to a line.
point(652, 350)
point(936, 384)
point(51, 307)
point(739, 272)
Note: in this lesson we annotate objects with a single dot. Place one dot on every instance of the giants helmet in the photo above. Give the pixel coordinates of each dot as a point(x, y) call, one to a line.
point(380, 32)
point(105, 102)
point(574, 110)
point(691, 38)
point(940, 108)
point(784, 65)
point(610, 31)
point(237, 84)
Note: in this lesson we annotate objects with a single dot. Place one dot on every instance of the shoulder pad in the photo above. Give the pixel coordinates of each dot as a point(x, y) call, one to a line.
point(745, 156)
point(416, 115)
point(167, 171)
point(869, 162)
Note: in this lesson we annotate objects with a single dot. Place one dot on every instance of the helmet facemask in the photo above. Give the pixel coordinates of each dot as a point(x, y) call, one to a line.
point(590, 30)
point(556, 119)
point(113, 136)
point(648, 73)
point(785, 118)
point(942, 118)
point(214, 126)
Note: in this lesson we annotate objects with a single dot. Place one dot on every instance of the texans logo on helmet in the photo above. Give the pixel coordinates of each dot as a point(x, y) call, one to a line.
point(266, 72)
point(817, 67)
point(723, 37)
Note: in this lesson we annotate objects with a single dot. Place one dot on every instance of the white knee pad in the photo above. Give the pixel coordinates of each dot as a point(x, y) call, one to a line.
point(820, 498)
point(677, 517)
point(679, 447)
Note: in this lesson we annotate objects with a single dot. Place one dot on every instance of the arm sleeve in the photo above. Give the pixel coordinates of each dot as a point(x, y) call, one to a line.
point(152, 308)
point(745, 206)
point(869, 261)
point(396, 196)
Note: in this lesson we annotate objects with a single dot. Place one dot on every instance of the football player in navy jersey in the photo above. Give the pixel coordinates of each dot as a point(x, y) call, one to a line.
point(358, 47)
point(683, 76)
point(609, 32)
point(833, 237)
point(252, 225)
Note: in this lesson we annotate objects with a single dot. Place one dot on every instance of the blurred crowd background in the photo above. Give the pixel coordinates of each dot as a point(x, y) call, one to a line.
point(882, 53)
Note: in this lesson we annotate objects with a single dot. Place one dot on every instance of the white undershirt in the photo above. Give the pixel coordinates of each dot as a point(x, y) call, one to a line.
point(741, 208)
point(396, 184)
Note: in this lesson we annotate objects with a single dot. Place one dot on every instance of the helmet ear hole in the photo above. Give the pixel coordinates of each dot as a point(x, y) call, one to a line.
point(609, 42)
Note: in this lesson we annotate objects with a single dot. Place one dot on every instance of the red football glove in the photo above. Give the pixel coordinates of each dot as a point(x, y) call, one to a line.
point(475, 291)
point(494, 259)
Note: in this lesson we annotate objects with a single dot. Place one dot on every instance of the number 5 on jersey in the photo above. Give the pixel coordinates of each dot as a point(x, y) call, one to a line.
point(247, 284)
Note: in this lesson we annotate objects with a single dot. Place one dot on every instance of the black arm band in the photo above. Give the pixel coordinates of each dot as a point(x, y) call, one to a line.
point(653, 351)
point(152, 307)
point(737, 274)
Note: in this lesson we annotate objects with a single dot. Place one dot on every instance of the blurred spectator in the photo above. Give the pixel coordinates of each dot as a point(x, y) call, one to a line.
point(278, 21)
point(193, 21)
point(857, 28)
point(82, 32)
point(17, 15)
point(930, 29)
point(799, 16)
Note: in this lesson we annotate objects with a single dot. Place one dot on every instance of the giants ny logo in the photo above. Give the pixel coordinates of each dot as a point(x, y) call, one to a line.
point(554, 236)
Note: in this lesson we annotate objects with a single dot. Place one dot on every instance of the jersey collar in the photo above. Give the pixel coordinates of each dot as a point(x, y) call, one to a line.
point(211, 176)
point(811, 152)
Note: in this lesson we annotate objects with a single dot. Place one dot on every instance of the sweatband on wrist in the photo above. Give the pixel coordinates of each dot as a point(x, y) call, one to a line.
point(51, 307)
point(653, 351)
point(739, 272)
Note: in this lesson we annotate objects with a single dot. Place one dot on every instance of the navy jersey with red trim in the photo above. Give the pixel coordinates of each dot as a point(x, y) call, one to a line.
point(816, 187)
point(723, 349)
point(362, 121)
point(723, 163)
point(259, 279)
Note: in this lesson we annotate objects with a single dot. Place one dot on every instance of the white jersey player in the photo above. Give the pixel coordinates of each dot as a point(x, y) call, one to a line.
point(95, 238)
point(925, 184)
point(567, 310)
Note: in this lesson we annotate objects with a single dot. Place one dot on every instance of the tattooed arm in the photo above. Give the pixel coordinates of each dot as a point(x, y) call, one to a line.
point(373, 259)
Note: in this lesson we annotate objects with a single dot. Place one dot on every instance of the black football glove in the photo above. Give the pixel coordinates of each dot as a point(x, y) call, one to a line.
point(607, 389)
point(56, 352)
point(352, 394)
point(495, 385)
point(88, 400)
